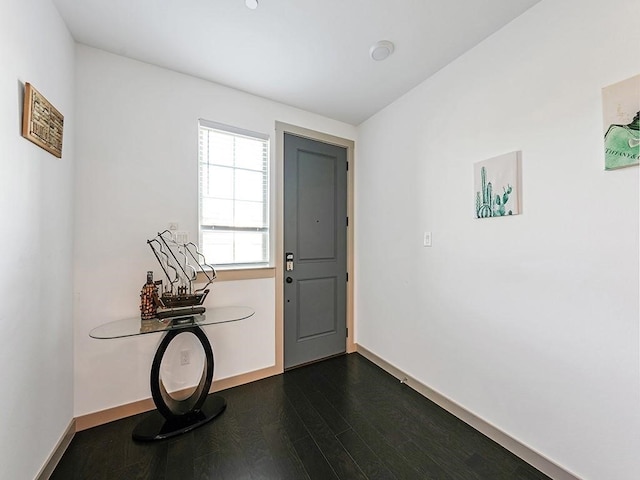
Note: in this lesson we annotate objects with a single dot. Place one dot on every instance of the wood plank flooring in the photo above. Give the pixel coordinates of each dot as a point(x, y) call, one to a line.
point(343, 418)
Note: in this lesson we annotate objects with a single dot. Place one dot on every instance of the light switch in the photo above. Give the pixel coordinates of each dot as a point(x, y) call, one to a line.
point(426, 239)
point(181, 237)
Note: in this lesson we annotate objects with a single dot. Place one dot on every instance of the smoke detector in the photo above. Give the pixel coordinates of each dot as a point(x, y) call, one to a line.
point(381, 50)
point(252, 4)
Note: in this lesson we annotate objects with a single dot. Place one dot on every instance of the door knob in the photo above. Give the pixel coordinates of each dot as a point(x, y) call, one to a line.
point(289, 280)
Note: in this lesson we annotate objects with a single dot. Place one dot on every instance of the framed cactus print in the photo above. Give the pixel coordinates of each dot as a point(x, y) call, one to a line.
point(621, 121)
point(497, 186)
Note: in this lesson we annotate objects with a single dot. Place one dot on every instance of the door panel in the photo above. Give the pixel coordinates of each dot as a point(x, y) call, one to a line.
point(315, 232)
point(317, 306)
point(316, 206)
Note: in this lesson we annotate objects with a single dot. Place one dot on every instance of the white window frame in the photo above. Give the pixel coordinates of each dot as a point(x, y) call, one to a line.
point(267, 196)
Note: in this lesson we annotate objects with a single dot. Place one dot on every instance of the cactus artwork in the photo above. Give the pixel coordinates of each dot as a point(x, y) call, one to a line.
point(496, 183)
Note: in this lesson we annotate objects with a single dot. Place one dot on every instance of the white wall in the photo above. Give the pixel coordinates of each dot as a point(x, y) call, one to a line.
point(137, 171)
point(36, 194)
point(531, 322)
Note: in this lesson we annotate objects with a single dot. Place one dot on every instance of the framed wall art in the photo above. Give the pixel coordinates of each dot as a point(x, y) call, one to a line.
point(42, 123)
point(621, 119)
point(497, 186)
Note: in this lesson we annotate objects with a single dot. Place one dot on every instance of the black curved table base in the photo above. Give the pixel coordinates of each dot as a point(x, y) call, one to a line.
point(157, 427)
point(174, 417)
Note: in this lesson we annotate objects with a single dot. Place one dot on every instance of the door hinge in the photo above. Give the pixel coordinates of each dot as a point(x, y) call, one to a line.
point(347, 221)
point(347, 331)
point(347, 166)
point(347, 276)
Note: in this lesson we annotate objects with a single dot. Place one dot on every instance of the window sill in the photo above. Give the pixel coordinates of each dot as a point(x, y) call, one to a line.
point(240, 274)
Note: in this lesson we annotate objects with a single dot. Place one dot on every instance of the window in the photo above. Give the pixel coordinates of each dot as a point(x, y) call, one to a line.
point(234, 195)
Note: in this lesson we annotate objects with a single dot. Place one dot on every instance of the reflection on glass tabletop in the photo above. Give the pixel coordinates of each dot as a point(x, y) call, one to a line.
point(128, 327)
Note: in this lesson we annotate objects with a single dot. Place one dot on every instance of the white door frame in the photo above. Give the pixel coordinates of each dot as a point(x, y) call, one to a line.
point(281, 129)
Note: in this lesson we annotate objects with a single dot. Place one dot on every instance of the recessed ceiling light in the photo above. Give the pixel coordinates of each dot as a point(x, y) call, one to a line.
point(252, 4)
point(381, 50)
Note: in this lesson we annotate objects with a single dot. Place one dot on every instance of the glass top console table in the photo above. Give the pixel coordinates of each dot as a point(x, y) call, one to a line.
point(173, 416)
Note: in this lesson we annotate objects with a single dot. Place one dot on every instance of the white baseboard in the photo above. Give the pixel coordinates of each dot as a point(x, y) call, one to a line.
point(61, 447)
point(94, 419)
point(519, 449)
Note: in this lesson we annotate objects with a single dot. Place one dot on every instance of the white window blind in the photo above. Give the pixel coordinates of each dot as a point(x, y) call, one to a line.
point(234, 195)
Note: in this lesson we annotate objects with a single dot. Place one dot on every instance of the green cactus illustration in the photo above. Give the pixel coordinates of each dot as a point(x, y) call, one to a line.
point(484, 206)
point(488, 205)
point(501, 202)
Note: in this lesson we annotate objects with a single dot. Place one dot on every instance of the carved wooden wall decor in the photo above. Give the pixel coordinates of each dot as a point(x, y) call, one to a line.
point(41, 122)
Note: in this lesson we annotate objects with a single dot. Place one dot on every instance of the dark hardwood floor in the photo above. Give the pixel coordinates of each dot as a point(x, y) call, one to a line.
point(343, 418)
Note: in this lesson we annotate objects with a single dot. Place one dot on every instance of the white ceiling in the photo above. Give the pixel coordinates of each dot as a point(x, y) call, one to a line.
point(309, 54)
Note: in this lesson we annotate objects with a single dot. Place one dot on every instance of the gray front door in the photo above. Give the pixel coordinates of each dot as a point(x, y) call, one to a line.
point(315, 237)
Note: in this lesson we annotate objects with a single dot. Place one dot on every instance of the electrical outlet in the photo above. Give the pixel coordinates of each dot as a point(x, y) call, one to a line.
point(185, 357)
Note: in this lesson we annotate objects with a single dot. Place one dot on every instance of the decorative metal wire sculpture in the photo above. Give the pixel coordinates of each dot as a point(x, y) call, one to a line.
point(181, 263)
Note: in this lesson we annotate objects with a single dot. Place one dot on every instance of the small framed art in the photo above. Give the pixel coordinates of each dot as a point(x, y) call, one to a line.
point(621, 119)
point(42, 123)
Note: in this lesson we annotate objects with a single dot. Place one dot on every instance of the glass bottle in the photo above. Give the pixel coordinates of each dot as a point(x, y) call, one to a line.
point(149, 298)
